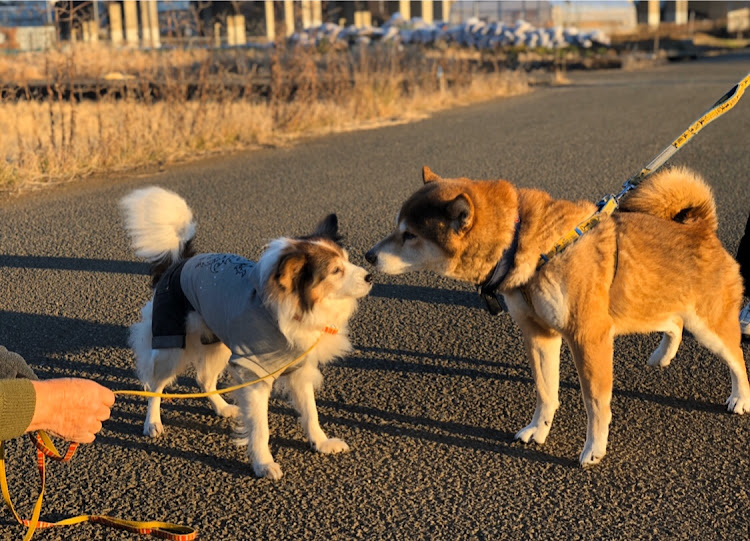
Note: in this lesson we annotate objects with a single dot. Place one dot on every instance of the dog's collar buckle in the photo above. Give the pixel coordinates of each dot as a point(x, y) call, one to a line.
point(488, 289)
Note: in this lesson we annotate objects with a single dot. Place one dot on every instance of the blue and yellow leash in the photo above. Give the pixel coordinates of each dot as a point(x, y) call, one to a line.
point(610, 203)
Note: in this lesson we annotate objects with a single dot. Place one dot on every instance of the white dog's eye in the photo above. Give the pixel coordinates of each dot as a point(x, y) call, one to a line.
point(408, 236)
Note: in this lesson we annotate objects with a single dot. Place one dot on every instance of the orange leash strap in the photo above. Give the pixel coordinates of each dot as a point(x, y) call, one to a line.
point(45, 448)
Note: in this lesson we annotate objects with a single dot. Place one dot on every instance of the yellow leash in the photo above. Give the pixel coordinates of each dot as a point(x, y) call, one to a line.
point(149, 394)
point(162, 530)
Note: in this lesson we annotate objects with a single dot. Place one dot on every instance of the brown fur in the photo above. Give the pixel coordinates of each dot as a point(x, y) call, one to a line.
point(657, 267)
point(674, 194)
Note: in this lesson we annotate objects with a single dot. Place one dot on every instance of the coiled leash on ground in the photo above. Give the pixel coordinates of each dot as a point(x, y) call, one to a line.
point(162, 530)
point(45, 448)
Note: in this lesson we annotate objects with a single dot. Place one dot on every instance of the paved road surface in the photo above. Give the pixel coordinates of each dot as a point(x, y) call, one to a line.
point(436, 388)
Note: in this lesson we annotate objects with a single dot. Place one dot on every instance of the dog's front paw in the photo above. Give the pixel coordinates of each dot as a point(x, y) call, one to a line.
point(534, 431)
point(152, 430)
point(331, 446)
point(738, 404)
point(230, 411)
point(591, 456)
point(270, 470)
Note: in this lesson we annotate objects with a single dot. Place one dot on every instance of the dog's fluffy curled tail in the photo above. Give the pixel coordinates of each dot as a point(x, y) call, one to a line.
point(676, 194)
point(160, 226)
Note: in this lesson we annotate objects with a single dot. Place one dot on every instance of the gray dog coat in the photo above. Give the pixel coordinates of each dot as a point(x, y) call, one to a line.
point(226, 291)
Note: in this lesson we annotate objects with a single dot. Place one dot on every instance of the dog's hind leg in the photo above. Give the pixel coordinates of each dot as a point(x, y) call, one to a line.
point(254, 407)
point(722, 337)
point(215, 358)
point(543, 350)
point(669, 344)
point(165, 365)
point(592, 353)
point(301, 387)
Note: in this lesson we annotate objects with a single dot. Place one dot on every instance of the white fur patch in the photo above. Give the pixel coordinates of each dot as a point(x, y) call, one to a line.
point(158, 221)
point(549, 299)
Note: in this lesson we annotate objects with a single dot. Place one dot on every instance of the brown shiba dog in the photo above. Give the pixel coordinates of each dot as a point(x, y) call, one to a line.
point(655, 265)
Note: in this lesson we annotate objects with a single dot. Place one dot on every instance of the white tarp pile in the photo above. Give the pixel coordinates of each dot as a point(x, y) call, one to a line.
point(472, 33)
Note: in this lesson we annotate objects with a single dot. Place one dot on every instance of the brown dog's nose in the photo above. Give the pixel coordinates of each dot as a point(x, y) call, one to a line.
point(368, 278)
point(371, 257)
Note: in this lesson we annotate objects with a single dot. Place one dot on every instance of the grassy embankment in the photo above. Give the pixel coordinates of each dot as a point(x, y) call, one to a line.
point(179, 104)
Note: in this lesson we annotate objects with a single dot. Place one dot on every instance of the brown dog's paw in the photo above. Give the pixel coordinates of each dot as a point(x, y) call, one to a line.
point(738, 404)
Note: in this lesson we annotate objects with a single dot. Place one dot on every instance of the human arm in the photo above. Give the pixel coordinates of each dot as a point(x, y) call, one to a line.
point(17, 403)
point(17, 396)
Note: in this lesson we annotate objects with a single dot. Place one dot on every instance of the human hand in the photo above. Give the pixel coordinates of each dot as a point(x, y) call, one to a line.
point(71, 408)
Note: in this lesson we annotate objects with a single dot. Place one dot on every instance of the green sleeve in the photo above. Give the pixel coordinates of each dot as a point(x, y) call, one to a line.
point(17, 402)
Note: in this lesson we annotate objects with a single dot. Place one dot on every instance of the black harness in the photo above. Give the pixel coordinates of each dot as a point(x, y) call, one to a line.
point(488, 288)
point(170, 309)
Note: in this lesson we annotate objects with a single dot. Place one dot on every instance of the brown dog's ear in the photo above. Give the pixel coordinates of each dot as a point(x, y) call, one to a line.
point(288, 268)
point(460, 212)
point(429, 176)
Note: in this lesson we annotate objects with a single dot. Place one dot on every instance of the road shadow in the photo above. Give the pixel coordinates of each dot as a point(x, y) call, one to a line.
point(471, 361)
point(73, 264)
point(39, 338)
point(431, 295)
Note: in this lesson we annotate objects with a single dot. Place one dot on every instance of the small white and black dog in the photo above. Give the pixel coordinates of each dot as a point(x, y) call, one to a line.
point(211, 310)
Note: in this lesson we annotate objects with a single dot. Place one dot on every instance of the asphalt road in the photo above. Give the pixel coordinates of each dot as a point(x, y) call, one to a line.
point(436, 388)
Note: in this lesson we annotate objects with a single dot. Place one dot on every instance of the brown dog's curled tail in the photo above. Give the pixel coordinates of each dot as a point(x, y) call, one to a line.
point(676, 194)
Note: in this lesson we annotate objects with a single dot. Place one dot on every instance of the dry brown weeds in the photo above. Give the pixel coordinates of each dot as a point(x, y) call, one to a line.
point(178, 105)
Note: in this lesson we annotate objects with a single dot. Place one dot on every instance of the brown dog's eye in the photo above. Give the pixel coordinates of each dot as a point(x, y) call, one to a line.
point(337, 270)
point(408, 236)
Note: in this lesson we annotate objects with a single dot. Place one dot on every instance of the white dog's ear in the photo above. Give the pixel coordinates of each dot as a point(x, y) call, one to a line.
point(289, 268)
point(429, 176)
point(328, 228)
point(460, 212)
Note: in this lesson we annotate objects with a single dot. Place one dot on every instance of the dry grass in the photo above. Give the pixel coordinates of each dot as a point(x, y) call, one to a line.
point(194, 112)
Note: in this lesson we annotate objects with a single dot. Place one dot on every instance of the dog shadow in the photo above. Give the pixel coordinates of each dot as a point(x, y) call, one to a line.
point(195, 415)
point(120, 430)
point(472, 367)
point(450, 433)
